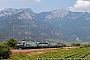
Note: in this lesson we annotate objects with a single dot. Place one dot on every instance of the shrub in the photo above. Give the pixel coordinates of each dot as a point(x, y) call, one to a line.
point(86, 45)
point(12, 43)
point(4, 51)
point(75, 44)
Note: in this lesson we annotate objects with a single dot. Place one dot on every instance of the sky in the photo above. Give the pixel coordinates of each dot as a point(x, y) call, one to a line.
point(47, 5)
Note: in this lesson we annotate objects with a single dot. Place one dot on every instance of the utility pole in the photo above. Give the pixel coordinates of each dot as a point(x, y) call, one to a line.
point(63, 42)
point(30, 38)
point(42, 40)
point(13, 31)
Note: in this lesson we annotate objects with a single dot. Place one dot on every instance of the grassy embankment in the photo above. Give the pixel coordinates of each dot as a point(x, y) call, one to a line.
point(52, 53)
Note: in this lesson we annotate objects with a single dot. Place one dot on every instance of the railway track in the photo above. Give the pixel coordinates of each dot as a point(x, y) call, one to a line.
point(30, 50)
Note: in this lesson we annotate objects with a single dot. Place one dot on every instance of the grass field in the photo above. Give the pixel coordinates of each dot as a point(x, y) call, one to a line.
point(72, 53)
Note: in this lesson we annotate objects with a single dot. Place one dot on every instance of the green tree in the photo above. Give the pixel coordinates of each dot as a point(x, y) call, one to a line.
point(4, 51)
point(86, 45)
point(12, 43)
point(75, 44)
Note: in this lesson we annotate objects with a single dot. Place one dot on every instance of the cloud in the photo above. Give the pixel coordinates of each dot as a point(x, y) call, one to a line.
point(32, 1)
point(38, 0)
point(81, 6)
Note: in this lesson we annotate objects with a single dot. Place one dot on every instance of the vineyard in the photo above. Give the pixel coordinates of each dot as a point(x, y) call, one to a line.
point(83, 53)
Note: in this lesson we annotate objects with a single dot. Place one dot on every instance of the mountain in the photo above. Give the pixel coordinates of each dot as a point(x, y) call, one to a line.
point(11, 11)
point(24, 24)
point(75, 25)
point(55, 25)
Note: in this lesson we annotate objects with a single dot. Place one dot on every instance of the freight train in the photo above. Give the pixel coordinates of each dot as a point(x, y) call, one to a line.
point(32, 44)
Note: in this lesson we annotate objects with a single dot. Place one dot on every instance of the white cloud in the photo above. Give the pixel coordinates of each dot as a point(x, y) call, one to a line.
point(33, 1)
point(38, 0)
point(81, 6)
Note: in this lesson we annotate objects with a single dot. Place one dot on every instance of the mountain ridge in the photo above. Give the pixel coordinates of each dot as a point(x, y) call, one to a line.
point(56, 25)
point(25, 24)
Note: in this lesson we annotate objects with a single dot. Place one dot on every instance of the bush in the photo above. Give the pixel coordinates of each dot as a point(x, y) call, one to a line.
point(75, 44)
point(4, 51)
point(12, 43)
point(86, 45)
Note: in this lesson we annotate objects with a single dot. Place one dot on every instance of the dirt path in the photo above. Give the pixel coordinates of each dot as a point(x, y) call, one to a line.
point(30, 52)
